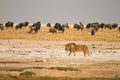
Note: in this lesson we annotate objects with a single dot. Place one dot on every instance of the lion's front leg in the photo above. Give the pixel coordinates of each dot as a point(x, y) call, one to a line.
point(69, 54)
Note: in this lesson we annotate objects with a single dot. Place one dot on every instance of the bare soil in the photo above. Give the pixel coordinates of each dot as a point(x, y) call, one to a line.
point(16, 53)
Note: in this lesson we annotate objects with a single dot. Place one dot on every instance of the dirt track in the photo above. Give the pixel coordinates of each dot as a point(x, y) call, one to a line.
point(104, 61)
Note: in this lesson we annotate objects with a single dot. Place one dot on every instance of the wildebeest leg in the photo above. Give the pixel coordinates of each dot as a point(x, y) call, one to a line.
point(36, 31)
point(30, 31)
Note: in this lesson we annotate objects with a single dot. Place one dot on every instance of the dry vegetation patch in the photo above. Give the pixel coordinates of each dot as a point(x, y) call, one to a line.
point(69, 35)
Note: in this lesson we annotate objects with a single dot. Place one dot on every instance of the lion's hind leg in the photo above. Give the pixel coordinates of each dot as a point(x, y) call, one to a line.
point(84, 53)
point(74, 53)
point(69, 53)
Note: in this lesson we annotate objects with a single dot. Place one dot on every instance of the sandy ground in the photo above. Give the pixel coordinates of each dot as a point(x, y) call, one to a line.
point(104, 61)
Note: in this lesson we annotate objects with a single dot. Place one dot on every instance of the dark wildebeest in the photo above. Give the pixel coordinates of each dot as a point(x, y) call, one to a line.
point(92, 32)
point(81, 26)
point(19, 26)
point(52, 30)
point(114, 25)
point(9, 24)
point(111, 26)
point(119, 28)
point(35, 27)
point(94, 26)
point(89, 25)
point(59, 27)
point(26, 23)
point(1, 26)
point(102, 25)
point(65, 25)
point(77, 26)
point(48, 25)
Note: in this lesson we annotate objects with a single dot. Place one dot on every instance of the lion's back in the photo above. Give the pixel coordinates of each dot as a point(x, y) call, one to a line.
point(81, 48)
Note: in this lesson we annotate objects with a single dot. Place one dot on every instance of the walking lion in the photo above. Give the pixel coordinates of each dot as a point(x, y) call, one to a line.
point(72, 48)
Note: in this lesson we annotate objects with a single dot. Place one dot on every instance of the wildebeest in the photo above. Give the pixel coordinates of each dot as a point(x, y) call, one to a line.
point(19, 26)
point(93, 25)
point(35, 27)
point(72, 48)
point(92, 32)
point(114, 25)
point(78, 26)
point(119, 28)
point(26, 23)
point(111, 26)
point(1, 26)
point(59, 27)
point(9, 24)
point(65, 25)
point(48, 25)
point(102, 25)
point(89, 25)
point(52, 30)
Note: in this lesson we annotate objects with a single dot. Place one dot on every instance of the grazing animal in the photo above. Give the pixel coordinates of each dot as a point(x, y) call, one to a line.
point(92, 32)
point(9, 24)
point(77, 26)
point(1, 26)
point(94, 26)
point(48, 25)
point(119, 29)
point(111, 26)
point(65, 25)
point(35, 27)
point(72, 48)
point(59, 27)
point(81, 26)
point(102, 25)
point(52, 30)
point(19, 26)
point(25, 24)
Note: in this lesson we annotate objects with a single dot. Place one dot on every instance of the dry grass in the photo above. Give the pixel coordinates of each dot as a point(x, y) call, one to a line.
point(69, 35)
point(9, 77)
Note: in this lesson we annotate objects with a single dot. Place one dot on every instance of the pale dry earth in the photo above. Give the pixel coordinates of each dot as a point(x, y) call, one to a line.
point(104, 61)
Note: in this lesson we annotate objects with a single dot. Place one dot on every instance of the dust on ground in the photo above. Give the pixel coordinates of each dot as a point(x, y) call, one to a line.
point(104, 61)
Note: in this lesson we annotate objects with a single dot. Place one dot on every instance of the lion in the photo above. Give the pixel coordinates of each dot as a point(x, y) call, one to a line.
point(72, 48)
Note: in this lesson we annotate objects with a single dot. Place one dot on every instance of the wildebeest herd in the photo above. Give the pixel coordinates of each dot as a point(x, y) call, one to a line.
point(58, 27)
